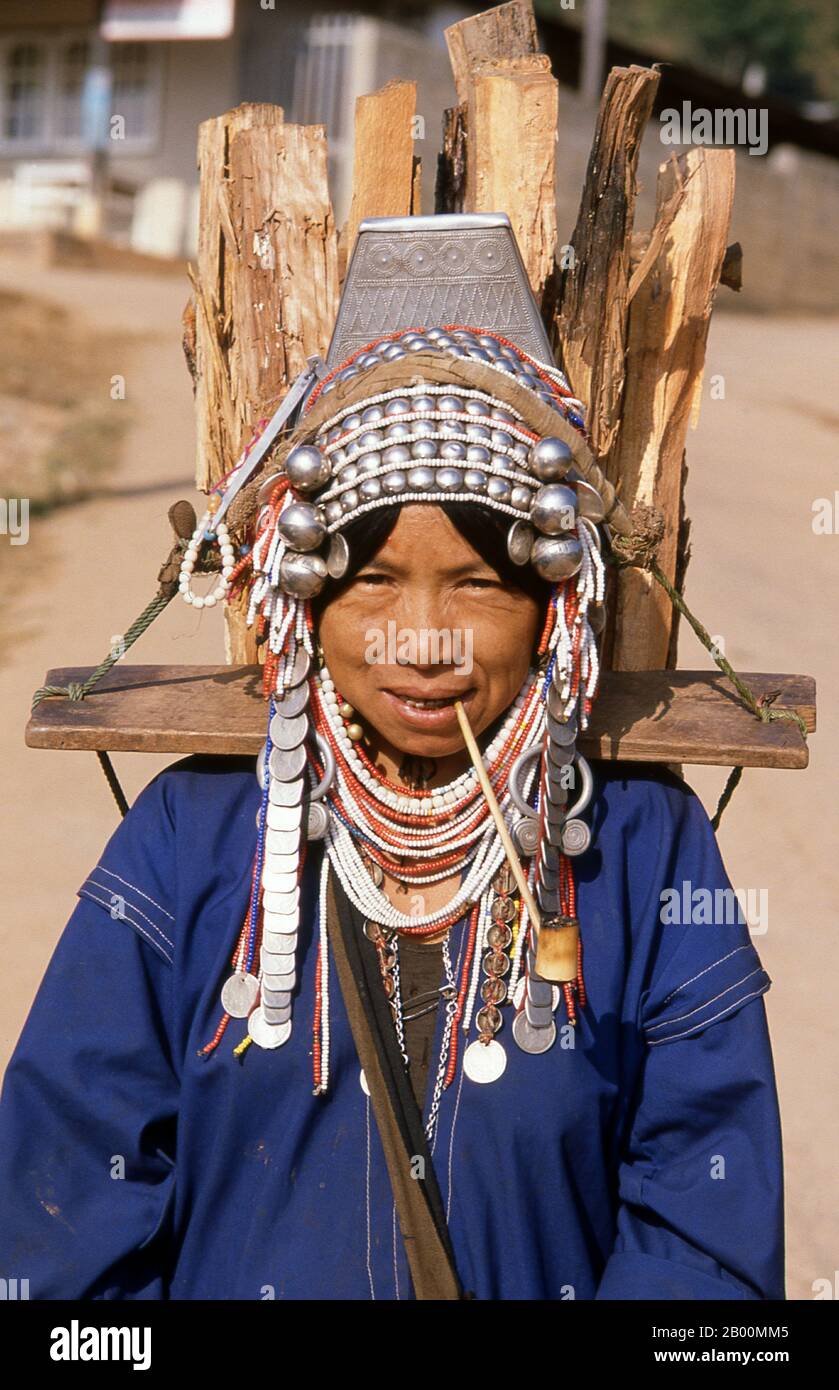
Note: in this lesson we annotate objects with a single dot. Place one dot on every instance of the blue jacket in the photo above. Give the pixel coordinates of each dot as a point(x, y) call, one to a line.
point(642, 1161)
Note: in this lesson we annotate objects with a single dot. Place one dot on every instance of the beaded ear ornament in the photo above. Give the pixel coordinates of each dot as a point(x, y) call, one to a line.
point(423, 415)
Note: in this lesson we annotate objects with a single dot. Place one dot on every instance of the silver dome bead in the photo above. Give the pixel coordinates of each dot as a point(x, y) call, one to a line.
point(367, 361)
point(371, 414)
point(478, 353)
point(423, 403)
point(501, 461)
point(302, 575)
point(476, 453)
point(301, 527)
point(424, 449)
point(474, 407)
point(520, 538)
point(327, 386)
point(421, 478)
point(351, 422)
point(550, 458)
point(479, 432)
point(417, 344)
point(349, 500)
point(348, 373)
point(334, 433)
point(556, 557)
point(369, 489)
point(450, 404)
point(445, 340)
point(501, 439)
point(399, 431)
point(370, 439)
point(350, 473)
point(338, 457)
point(554, 509)
point(368, 463)
point(590, 502)
point(450, 479)
point(333, 510)
point(475, 480)
point(396, 481)
point(450, 449)
point(423, 429)
point(396, 453)
point(521, 496)
point(433, 333)
point(307, 468)
point(453, 429)
point(393, 353)
point(502, 415)
point(499, 488)
point(398, 406)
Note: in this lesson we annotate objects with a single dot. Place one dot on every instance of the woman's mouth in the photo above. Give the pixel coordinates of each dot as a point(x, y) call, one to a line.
point(427, 711)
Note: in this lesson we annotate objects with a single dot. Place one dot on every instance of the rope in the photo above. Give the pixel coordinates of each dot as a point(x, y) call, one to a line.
point(137, 628)
point(760, 706)
point(113, 781)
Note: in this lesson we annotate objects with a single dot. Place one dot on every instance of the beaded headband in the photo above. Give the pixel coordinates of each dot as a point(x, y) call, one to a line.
point(423, 415)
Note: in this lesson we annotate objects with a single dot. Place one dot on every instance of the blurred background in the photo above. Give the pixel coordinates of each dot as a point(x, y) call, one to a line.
point(99, 109)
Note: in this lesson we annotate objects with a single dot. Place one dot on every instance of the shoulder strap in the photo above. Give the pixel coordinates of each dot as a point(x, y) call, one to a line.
point(418, 1200)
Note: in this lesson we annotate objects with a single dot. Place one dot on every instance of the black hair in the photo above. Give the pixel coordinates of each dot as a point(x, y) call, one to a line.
point(483, 527)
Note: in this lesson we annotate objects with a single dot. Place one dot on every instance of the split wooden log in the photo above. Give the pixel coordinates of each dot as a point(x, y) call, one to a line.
point(266, 286)
point(589, 325)
point(672, 298)
point(386, 172)
point(499, 150)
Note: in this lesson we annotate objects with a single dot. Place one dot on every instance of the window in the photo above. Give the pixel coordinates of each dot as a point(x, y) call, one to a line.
point(25, 92)
point(42, 85)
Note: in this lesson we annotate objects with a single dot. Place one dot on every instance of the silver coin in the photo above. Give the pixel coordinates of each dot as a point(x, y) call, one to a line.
point(533, 1040)
point(563, 732)
point(288, 763)
point(283, 818)
point(298, 670)
point(518, 995)
point(260, 767)
point(338, 558)
point(520, 542)
point(317, 822)
point(538, 1016)
point(484, 1062)
point(293, 703)
point(362, 1081)
point(288, 733)
point(555, 703)
point(278, 883)
point(576, 836)
point(281, 949)
point(285, 793)
point(282, 863)
point(539, 995)
point(283, 904)
point(281, 980)
point(266, 1034)
point(278, 1003)
point(282, 841)
point(239, 994)
point(560, 754)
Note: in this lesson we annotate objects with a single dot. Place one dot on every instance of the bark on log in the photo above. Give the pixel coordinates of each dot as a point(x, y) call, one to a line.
point(668, 329)
point(266, 285)
point(592, 296)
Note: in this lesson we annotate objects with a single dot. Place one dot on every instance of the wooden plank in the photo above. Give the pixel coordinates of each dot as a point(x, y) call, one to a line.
point(650, 716)
point(496, 35)
point(383, 158)
point(667, 333)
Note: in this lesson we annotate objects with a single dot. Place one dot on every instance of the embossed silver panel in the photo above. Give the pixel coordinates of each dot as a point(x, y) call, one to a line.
point(424, 272)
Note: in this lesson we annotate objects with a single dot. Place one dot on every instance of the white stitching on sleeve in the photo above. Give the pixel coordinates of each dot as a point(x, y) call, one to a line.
point(137, 890)
point(659, 1042)
point(678, 1018)
point(124, 917)
point(744, 947)
point(145, 918)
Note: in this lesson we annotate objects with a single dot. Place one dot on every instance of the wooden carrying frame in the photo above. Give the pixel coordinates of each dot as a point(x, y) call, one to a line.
point(627, 312)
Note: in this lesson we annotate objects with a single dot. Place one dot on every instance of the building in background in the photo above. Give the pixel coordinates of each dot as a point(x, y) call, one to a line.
point(135, 77)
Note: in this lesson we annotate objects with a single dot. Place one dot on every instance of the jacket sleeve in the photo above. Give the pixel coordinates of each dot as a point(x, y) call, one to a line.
point(700, 1176)
point(89, 1101)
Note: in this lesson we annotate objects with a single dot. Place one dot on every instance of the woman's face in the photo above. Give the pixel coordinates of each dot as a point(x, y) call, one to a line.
point(427, 619)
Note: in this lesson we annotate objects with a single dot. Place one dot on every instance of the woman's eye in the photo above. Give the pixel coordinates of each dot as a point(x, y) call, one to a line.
point(483, 583)
point(371, 578)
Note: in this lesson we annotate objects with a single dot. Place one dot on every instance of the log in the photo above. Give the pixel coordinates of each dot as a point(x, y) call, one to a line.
point(668, 328)
point(266, 284)
point(654, 716)
point(385, 179)
point(499, 150)
point(589, 325)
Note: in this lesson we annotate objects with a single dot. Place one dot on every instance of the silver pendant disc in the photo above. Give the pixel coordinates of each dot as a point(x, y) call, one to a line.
point(484, 1062)
point(282, 818)
point(286, 733)
point(239, 994)
point(533, 1040)
point(287, 763)
point(294, 702)
point(266, 1034)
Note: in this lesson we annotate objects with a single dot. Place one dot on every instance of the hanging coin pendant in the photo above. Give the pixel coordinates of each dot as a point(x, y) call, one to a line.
point(530, 1039)
point(239, 994)
point(484, 1062)
point(363, 1082)
point(265, 1034)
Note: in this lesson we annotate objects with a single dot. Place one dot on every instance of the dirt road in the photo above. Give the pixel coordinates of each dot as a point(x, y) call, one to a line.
point(760, 578)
